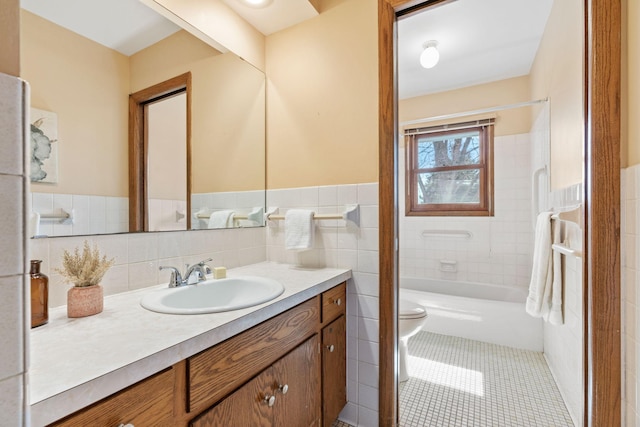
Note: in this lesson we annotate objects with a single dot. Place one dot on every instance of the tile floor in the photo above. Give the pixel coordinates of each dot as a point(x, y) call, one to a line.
point(459, 382)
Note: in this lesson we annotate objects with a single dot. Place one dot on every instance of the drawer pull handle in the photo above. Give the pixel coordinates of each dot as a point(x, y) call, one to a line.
point(269, 400)
point(338, 301)
point(283, 388)
point(331, 348)
point(126, 425)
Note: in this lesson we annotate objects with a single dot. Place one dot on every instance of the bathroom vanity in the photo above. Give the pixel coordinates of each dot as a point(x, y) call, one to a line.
point(280, 363)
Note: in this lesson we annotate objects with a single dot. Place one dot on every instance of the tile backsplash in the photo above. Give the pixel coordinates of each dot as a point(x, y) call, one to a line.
point(138, 256)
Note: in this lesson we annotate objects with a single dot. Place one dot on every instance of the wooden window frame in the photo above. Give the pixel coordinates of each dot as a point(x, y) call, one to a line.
point(483, 208)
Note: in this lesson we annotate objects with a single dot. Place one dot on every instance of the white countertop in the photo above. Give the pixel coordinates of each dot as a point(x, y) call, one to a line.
point(76, 362)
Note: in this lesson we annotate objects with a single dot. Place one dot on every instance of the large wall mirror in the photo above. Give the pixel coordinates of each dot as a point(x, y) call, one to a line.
point(80, 123)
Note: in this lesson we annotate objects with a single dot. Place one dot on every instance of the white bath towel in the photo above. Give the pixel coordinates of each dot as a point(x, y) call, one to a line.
point(298, 229)
point(545, 288)
point(541, 272)
point(555, 309)
point(221, 219)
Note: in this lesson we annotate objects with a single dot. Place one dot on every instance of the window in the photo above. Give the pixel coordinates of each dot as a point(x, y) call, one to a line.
point(450, 170)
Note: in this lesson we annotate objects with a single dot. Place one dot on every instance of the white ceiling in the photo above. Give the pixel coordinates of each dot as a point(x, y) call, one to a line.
point(123, 25)
point(129, 26)
point(478, 41)
point(279, 15)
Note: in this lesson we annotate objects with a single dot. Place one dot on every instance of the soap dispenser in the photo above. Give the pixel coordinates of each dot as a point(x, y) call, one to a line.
point(39, 295)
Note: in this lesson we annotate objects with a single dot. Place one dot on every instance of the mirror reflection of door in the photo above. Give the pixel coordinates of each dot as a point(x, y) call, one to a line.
point(160, 130)
point(166, 139)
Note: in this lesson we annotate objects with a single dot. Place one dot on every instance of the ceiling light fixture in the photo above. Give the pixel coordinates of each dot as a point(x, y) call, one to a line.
point(256, 4)
point(430, 55)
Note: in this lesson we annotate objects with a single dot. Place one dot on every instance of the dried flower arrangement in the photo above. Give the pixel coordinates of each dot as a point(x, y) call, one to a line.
point(86, 269)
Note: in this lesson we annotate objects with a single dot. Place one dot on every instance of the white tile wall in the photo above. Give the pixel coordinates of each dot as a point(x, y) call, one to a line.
point(338, 244)
point(91, 214)
point(500, 250)
point(139, 256)
point(13, 292)
point(563, 344)
point(630, 243)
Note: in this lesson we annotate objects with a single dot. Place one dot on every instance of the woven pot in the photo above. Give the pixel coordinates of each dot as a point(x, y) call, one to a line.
point(85, 301)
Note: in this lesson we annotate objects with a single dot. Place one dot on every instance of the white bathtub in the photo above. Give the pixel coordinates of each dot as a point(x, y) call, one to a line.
point(479, 311)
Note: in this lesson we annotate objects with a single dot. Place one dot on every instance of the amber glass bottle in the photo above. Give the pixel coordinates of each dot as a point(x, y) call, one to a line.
point(39, 295)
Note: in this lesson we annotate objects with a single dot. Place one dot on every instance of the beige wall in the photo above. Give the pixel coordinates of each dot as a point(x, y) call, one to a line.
point(632, 94)
point(503, 92)
point(322, 103)
point(87, 85)
point(227, 110)
point(557, 74)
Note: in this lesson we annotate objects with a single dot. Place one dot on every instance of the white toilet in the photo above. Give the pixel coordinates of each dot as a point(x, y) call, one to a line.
point(411, 317)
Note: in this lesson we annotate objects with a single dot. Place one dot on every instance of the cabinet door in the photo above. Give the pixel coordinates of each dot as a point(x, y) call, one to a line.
point(334, 370)
point(300, 372)
point(247, 406)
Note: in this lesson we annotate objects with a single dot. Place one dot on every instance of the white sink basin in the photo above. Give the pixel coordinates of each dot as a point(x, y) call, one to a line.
point(213, 296)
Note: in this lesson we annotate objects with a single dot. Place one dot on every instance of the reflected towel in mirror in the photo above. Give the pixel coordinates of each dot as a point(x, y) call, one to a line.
point(221, 219)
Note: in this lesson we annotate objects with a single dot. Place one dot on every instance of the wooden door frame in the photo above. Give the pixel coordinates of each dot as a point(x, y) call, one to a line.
point(601, 252)
point(138, 218)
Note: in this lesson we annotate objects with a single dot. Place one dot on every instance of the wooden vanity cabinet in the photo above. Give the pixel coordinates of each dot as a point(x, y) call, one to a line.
point(289, 370)
point(285, 394)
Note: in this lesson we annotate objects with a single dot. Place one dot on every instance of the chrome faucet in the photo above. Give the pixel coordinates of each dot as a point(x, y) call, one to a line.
point(193, 274)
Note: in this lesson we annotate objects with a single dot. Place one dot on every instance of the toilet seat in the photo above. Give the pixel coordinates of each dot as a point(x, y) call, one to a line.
point(411, 310)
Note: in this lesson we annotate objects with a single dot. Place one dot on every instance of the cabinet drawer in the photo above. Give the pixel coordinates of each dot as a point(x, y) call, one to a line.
point(216, 372)
point(334, 302)
point(147, 403)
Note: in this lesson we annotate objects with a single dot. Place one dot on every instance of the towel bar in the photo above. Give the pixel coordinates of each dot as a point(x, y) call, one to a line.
point(256, 215)
point(447, 233)
point(350, 214)
point(572, 215)
point(64, 217)
point(565, 250)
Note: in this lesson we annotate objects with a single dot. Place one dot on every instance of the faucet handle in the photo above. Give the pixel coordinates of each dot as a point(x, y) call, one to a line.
point(176, 277)
point(203, 264)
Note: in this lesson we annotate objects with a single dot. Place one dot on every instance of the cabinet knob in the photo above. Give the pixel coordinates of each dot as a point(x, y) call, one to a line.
point(283, 388)
point(337, 301)
point(331, 348)
point(269, 400)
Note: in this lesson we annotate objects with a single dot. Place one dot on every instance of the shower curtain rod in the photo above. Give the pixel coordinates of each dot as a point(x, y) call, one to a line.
point(474, 112)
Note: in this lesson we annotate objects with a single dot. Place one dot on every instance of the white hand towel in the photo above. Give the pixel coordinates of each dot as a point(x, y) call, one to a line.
point(221, 219)
point(298, 229)
point(555, 308)
point(542, 271)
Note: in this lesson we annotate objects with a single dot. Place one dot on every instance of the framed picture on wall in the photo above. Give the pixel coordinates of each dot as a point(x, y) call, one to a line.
point(44, 146)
